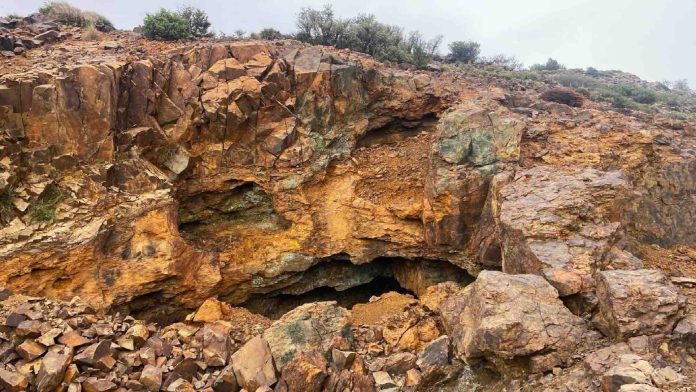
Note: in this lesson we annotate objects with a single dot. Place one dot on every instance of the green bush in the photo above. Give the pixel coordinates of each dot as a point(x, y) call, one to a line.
point(165, 26)
point(44, 209)
point(270, 33)
point(65, 13)
point(365, 34)
point(551, 65)
point(196, 21)
point(464, 51)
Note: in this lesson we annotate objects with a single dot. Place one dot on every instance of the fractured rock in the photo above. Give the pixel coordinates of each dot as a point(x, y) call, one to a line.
point(151, 378)
point(502, 316)
point(53, 367)
point(253, 364)
point(638, 302)
point(13, 381)
point(307, 328)
point(305, 373)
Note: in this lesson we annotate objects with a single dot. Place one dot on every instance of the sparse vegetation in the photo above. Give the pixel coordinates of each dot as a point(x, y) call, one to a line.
point(196, 21)
point(464, 51)
point(188, 22)
point(365, 34)
point(67, 14)
point(90, 34)
point(165, 26)
point(551, 65)
point(6, 206)
point(44, 209)
point(270, 33)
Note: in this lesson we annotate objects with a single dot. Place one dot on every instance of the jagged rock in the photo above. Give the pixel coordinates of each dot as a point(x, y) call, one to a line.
point(211, 310)
point(151, 378)
point(307, 328)
point(541, 229)
point(73, 339)
point(413, 378)
point(93, 353)
point(473, 141)
point(666, 377)
point(599, 362)
point(216, 343)
point(30, 350)
point(13, 381)
point(686, 329)
point(306, 372)
point(94, 384)
point(253, 364)
point(53, 367)
point(341, 360)
point(399, 363)
point(434, 360)
point(502, 316)
point(637, 302)
point(630, 369)
point(226, 381)
point(435, 295)
point(383, 380)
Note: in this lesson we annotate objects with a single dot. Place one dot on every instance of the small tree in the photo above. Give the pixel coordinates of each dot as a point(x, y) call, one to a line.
point(464, 51)
point(681, 85)
point(239, 34)
point(551, 65)
point(270, 33)
point(166, 26)
point(196, 21)
point(320, 27)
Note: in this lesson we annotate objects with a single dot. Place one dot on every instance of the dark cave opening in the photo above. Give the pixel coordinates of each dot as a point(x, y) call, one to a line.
point(275, 306)
point(348, 284)
point(397, 130)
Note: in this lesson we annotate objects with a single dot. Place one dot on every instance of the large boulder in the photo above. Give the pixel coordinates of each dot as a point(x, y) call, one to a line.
point(558, 225)
point(500, 317)
point(637, 302)
point(310, 327)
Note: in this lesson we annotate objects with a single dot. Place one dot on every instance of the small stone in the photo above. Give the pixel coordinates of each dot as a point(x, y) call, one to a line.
point(399, 363)
point(151, 378)
point(226, 381)
point(93, 353)
point(211, 310)
point(383, 380)
point(73, 339)
point(29, 329)
point(413, 378)
point(30, 350)
point(14, 319)
point(48, 338)
point(666, 377)
point(342, 359)
point(94, 384)
point(13, 381)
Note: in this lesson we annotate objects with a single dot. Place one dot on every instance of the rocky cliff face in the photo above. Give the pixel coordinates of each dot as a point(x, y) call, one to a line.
point(148, 181)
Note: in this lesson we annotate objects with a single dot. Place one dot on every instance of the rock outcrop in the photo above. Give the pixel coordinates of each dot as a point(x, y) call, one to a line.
point(501, 316)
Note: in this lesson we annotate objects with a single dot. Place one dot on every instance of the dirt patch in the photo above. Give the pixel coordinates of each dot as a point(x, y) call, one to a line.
point(389, 304)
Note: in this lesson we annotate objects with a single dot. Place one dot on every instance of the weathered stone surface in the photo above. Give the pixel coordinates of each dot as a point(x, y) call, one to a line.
point(637, 302)
point(253, 364)
point(151, 378)
point(13, 381)
point(473, 141)
point(306, 372)
point(502, 316)
point(53, 367)
point(310, 327)
point(630, 369)
point(686, 329)
point(541, 229)
point(434, 360)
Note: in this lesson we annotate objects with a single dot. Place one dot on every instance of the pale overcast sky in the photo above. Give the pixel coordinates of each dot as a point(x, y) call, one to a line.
point(655, 39)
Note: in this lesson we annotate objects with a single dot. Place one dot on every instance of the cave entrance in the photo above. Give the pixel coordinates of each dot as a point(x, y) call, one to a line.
point(349, 284)
point(274, 307)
